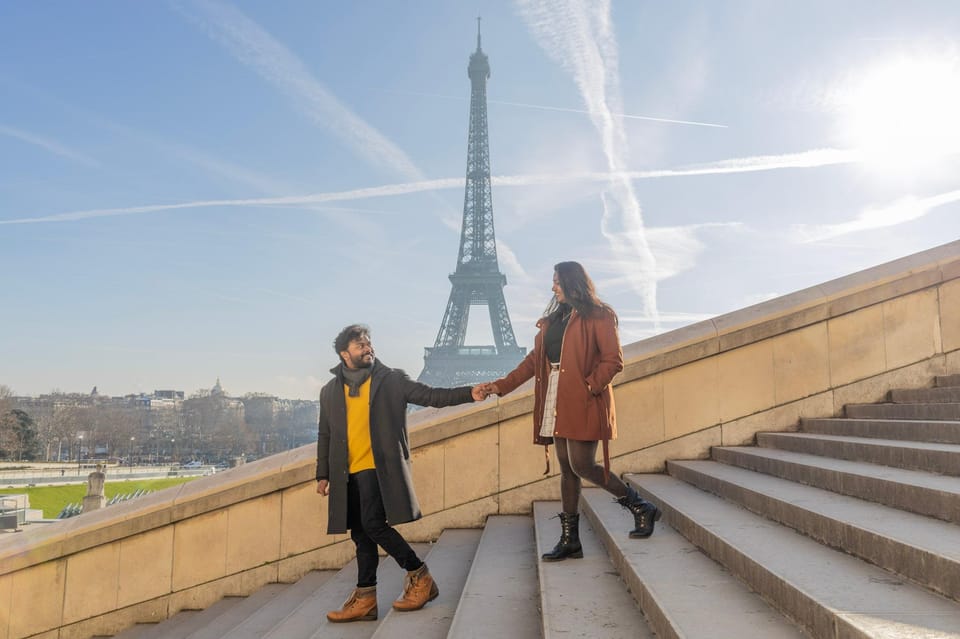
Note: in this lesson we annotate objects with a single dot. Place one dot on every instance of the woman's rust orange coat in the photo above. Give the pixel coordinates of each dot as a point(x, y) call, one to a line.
point(591, 356)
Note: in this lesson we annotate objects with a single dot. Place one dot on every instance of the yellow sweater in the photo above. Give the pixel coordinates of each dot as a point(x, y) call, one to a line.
point(359, 449)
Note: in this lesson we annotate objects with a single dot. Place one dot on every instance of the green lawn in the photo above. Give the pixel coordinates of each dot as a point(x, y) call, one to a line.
point(52, 499)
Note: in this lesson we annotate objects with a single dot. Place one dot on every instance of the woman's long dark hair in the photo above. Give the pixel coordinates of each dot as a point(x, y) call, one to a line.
point(578, 290)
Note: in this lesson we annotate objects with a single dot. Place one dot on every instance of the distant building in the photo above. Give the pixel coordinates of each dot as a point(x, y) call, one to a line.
point(167, 394)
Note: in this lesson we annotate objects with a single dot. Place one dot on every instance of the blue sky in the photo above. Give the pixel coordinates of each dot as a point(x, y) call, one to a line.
point(202, 189)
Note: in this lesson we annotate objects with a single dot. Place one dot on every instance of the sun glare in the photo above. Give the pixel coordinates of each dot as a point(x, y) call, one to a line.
point(905, 115)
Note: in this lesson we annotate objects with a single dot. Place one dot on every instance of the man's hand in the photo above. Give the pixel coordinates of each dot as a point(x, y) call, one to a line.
point(323, 487)
point(481, 391)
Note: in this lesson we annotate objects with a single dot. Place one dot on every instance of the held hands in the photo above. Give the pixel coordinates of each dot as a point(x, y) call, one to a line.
point(481, 391)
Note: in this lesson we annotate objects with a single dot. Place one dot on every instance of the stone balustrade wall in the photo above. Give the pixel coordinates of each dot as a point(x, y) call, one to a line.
point(716, 382)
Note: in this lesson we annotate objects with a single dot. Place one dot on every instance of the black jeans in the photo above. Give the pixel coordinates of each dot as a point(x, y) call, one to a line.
point(367, 520)
point(578, 460)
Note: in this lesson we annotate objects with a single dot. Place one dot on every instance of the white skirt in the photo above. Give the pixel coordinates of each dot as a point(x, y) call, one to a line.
point(550, 402)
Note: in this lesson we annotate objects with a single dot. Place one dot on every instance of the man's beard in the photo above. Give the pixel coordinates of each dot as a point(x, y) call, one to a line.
point(359, 362)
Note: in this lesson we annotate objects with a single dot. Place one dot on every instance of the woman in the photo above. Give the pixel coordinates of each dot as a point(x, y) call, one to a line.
point(574, 358)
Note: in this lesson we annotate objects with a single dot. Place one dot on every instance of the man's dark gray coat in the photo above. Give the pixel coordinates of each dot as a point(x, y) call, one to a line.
point(390, 392)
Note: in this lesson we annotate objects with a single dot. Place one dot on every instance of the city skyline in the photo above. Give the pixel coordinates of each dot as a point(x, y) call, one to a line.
point(173, 394)
point(202, 189)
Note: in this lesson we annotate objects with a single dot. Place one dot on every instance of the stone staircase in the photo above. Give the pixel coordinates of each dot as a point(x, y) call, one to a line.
point(846, 529)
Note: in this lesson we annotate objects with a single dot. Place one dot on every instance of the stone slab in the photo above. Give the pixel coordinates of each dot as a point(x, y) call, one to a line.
point(308, 618)
point(583, 597)
point(501, 593)
point(914, 491)
point(939, 395)
point(932, 457)
point(904, 411)
point(449, 561)
point(179, 623)
point(832, 594)
point(910, 429)
point(943, 381)
point(175, 628)
point(924, 550)
point(682, 592)
point(242, 609)
point(274, 611)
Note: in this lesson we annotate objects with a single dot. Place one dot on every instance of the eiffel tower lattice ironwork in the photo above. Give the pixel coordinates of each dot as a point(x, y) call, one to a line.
point(477, 279)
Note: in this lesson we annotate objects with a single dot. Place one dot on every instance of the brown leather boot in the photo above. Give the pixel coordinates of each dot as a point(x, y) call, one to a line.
point(418, 589)
point(360, 606)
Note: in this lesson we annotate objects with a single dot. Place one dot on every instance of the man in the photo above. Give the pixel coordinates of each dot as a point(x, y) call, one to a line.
point(363, 464)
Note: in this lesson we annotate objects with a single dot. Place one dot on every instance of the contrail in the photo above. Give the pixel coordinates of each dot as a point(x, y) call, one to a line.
point(616, 115)
point(545, 107)
point(900, 211)
point(580, 37)
point(48, 145)
point(803, 160)
point(256, 48)
point(316, 198)
point(807, 159)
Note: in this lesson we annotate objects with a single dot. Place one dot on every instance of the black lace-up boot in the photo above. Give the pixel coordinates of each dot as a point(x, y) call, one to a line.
point(569, 544)
point(645, 514)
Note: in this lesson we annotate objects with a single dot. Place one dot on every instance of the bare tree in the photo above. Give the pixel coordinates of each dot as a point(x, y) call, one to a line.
point(6, 399)
point(7, 439)
point(20, 435)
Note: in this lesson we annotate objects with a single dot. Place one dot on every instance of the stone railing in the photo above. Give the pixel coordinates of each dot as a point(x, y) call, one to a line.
point(715, 382)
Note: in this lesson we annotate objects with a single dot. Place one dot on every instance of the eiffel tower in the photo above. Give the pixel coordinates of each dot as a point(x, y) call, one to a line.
point(477, 279)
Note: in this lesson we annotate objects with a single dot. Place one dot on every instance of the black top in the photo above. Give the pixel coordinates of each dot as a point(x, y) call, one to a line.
point(553, 338)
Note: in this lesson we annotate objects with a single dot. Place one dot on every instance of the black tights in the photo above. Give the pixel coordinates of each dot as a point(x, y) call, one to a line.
point(578, 460)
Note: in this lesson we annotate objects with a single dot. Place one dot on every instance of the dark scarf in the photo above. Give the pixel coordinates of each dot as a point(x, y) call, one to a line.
point(355, 377)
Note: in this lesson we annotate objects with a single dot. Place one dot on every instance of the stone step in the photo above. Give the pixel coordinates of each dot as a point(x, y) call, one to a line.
point(947, 380)
point(831, 594)
point(308, 618)
point(918, 548)
point(932, 457)
point(914, 491)
point(237, 617)
point(682, 592)
point(182, 619)
point(276, 609)
point(904, 411)
point(449, 562)
point(909, 429)
point(238, 613)
point(501, 595)
point(185, 624)
point(939, 395)
point(582, 597)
